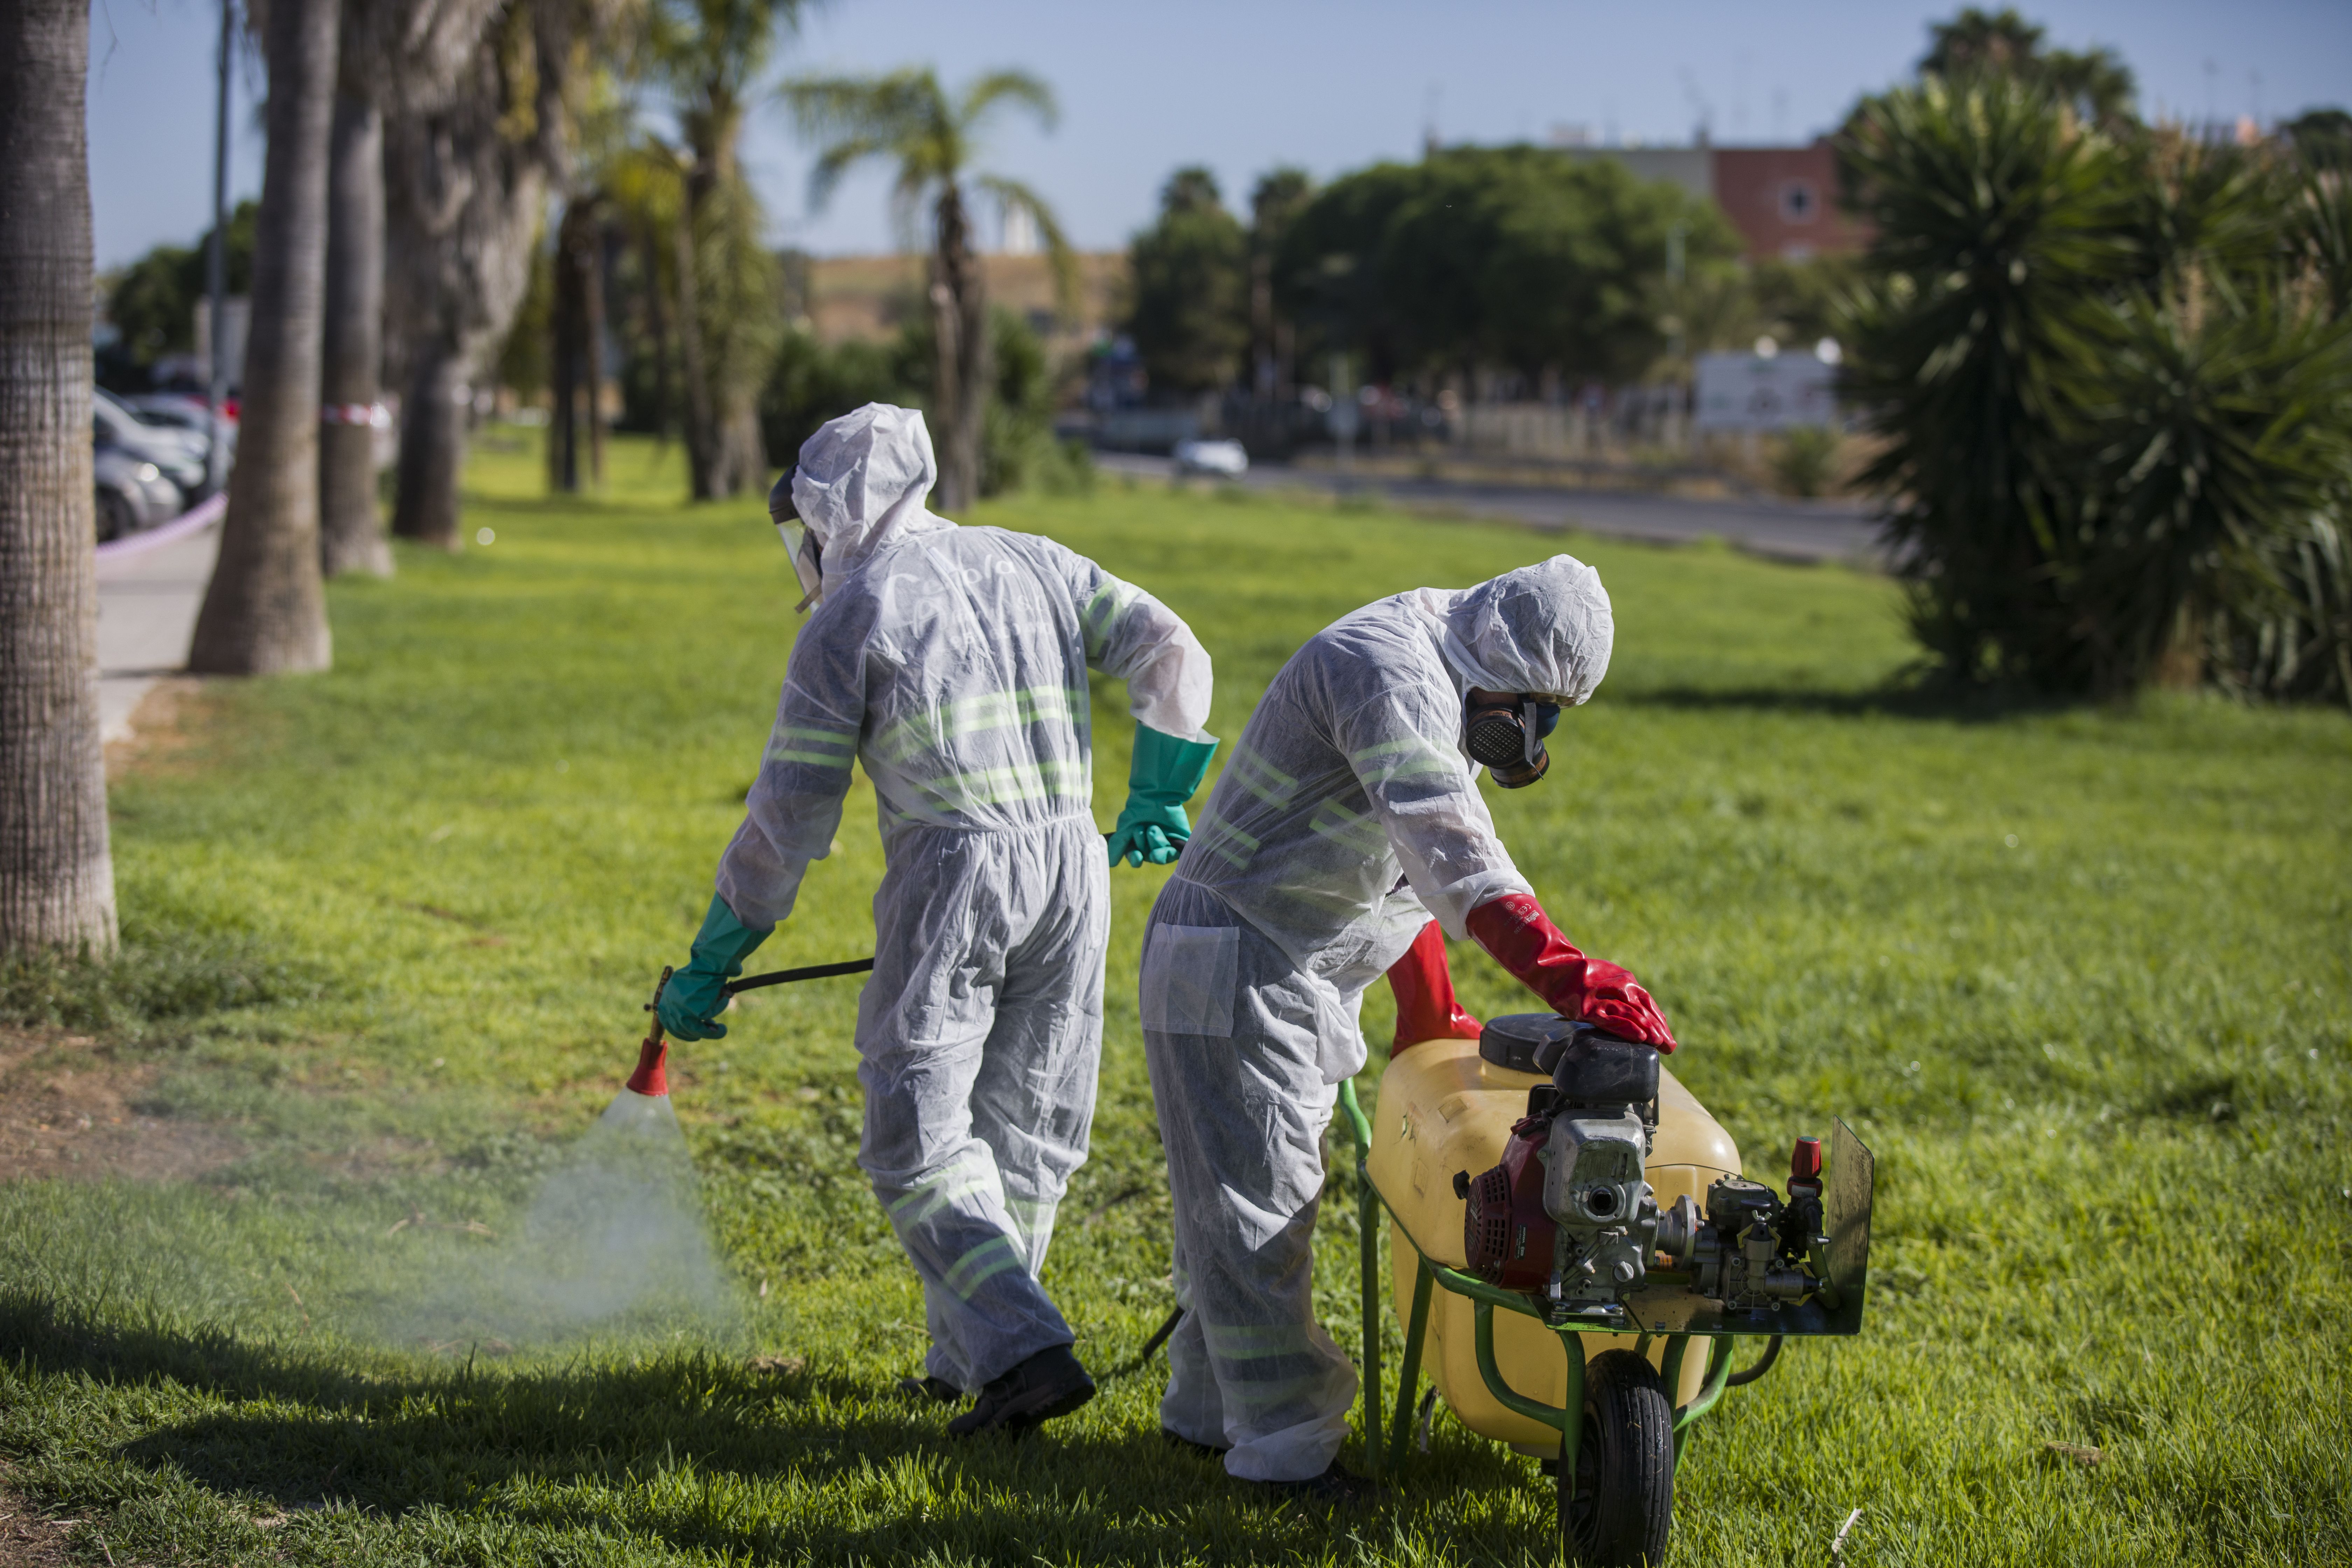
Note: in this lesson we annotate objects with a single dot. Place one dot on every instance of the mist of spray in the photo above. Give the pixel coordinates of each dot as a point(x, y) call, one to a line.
point(612, 1245)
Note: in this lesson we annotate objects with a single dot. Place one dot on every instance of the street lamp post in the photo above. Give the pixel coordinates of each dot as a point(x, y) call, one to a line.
point(216, 261)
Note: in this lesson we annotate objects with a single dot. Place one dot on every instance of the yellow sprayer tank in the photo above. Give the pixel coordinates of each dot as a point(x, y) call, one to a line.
point(1442, 1109)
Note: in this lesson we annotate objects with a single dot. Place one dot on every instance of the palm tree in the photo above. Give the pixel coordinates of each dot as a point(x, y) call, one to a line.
point(709, 54)
point(908, 117)
point(265, 610)
point(351, 536)
point(467, 170)
point(575, 341)
point(56, 881)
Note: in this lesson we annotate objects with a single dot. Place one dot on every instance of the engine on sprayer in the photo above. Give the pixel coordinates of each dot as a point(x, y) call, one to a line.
point(1568, 1217)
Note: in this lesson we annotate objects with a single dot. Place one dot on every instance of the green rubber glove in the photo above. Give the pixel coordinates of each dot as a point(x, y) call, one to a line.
point(1161, 778)
point(698, 992)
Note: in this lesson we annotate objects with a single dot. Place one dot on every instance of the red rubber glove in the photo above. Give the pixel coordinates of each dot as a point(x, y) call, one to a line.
point(1514, 929)
point(1423, 986)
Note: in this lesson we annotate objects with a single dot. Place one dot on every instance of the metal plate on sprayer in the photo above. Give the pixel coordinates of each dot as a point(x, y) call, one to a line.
point(1674, 1309)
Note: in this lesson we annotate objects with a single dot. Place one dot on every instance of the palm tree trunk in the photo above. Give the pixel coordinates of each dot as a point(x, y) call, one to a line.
point(466, 197)
point(959, 379)
point(700, 442)
point(654, 298)
point(432, 443)
point(350, 534)
point(742, 458)
point(57, 877)
point(567, 354)
point(591, 306)
point(264, 611)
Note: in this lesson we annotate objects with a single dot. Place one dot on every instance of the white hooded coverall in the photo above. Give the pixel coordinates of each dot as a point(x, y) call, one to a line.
point(1348, 816)
point(952, 662)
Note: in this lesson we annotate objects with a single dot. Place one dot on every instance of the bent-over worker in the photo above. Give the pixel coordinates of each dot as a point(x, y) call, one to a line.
point(952, 662)
point(1346, 830)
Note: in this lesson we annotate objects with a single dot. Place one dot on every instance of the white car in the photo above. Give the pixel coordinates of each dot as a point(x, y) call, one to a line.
point(180, 453)
point(1221, 459)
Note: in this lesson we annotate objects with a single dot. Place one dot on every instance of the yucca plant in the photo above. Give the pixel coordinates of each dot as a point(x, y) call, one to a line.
point(2113, 394)
point(2216, 436)
point(2002, 222)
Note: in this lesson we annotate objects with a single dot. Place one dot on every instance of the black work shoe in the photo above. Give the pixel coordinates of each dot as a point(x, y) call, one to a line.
point(1176, 1440)
point(1047, 1384)
point(1334, 1487)
point(932, 1388)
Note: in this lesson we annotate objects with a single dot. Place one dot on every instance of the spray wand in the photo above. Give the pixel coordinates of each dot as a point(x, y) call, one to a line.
point(652, 1077)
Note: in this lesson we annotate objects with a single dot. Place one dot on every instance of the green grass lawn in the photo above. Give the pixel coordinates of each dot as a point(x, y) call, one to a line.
point(2079, 978)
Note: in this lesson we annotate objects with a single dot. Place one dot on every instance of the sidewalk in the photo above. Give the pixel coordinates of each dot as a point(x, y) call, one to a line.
point(1806, 531)
point(149, 589)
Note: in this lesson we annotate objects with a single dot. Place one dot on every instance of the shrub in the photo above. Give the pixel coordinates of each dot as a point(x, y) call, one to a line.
point(2113, 397)
point(811, 383)
point(1804, 460)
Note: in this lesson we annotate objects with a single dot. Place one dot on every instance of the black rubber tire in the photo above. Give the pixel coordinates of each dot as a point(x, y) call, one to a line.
point(1619, 1504)
point(117, 518)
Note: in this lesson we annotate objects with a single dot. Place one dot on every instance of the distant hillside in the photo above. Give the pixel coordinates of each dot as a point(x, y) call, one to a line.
point(866, 296)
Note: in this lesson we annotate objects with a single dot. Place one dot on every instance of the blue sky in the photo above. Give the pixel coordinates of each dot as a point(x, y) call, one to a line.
point(1243, 85)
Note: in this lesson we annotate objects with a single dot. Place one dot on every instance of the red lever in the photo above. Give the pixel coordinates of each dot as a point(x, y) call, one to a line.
point(652, 1077)
point(1805, 1160)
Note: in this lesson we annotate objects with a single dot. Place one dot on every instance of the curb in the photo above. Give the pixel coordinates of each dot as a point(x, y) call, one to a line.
point(196, 519)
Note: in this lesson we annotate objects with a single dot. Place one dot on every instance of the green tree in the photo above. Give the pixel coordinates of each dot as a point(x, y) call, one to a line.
point(1190, 268)
point(2322, 138)
point(908, 119)
point(1512, 258)
point(1276, 202)
point(709, 55)
point(152, 301)
point(1980, 44)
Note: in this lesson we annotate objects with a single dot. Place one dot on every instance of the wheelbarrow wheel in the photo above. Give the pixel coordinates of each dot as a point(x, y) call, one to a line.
point(1618, 1500)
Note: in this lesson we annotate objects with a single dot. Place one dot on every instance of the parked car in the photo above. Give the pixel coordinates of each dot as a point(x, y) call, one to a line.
point(179, 411)
point(133, 495)
point(1219, 460)
point(179, 454)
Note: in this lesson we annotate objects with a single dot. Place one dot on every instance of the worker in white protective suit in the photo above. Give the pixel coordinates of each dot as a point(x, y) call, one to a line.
point(1348, 816)
point(952, 662)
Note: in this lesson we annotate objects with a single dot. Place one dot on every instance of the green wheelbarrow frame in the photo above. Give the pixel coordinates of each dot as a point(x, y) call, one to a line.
point(1676, 1315)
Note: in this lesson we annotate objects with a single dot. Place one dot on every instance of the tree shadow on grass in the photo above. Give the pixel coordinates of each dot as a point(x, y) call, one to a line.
point(713, 1455)
point(1903, 698)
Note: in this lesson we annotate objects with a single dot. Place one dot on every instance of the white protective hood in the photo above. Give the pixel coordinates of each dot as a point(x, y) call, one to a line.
point(1545, 629)
point(860, 485)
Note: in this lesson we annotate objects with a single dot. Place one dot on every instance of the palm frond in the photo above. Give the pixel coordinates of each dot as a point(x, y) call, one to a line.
point(897, 108)
point(1017, 88)
point(1013, 195)
point(833, 167)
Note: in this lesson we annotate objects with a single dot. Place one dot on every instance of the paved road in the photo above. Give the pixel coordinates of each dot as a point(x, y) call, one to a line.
point(1790, 531)
point(149, 588)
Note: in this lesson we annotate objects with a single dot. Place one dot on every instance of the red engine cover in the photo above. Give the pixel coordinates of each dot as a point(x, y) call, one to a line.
point(1506, 1233)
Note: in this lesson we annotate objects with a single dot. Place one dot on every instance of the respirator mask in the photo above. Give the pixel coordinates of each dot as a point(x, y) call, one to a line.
point(1507, 738)
point(807, 551)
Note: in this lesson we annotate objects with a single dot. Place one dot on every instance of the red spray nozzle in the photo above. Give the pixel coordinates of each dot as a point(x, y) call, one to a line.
point(652, 1077)
point(1805, 1160)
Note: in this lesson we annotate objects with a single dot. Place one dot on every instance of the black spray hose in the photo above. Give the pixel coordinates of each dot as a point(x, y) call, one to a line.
point(1763, 1364)
point(1159, 1336)
point(786, 976)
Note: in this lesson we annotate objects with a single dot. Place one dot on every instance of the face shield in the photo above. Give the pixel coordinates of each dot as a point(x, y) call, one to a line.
point(806, 548)
point(1507, 736)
